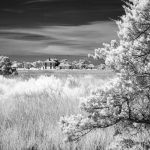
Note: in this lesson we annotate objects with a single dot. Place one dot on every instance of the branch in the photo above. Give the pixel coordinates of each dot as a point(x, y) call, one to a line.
point(91, 127)
point(142, 32)
point(136, 120)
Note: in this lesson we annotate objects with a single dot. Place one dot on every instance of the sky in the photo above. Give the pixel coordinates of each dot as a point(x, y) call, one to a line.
point(57, 27)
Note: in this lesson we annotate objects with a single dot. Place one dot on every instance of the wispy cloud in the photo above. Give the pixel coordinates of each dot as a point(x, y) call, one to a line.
point(68, 40)
point(35, 1)
point(12, 10)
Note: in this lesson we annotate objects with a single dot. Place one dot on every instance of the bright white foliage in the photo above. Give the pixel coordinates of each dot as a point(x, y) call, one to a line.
point(31, 107)
point(128, 101)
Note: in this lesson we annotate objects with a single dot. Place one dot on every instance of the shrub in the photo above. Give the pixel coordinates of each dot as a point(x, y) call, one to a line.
point(6, 66)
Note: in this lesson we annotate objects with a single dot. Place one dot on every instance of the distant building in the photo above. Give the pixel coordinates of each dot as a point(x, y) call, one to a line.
point(14, 68)
point(38, 64)
point(81, 65)
point(51, 63)
point(27, 65)
point(90, 66)
point(64, 61)
point(14, 65)
point(65, 66)
point(20, 65)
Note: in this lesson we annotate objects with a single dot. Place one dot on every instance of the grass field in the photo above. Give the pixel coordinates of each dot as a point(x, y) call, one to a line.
point(32, 104)
point(100, 74)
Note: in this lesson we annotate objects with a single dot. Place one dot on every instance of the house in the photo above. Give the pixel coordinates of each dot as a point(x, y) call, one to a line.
point(81, 65)
point(27, 65)
point(20, 65)
point(90, 66)
point(65, 66)
point(51, 63)
point(38, 64)
point(14, 67)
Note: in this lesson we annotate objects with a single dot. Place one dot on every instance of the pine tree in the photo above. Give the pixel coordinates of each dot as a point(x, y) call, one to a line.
point(125, 102)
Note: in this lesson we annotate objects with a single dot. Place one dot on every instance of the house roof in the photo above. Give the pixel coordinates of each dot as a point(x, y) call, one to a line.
point(14, 65)
point(50, 61)
point(91, 65)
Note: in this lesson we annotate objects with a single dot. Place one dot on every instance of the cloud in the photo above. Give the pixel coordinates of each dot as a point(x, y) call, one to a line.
point(12, 10)
point(19, 47)
point(14, 34)
point(62, 50)
point(35, 1)
point(62, 40)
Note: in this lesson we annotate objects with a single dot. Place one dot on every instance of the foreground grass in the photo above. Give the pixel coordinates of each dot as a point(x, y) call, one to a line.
point(31, 108)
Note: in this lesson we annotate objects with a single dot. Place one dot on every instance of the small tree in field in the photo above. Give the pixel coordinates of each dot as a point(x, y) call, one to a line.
point(38, 64)
point(125, 102)
point(6, 66)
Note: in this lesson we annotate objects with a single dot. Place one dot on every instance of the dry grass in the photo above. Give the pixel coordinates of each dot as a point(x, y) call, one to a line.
point(30, 110)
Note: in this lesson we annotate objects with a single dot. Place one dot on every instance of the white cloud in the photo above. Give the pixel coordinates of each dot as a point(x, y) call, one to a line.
point(72, 40)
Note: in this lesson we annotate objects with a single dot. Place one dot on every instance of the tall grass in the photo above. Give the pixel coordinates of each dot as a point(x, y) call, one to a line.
point(30, 110)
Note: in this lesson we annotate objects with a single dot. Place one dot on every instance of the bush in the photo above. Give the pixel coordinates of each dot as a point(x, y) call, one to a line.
point(6, 66)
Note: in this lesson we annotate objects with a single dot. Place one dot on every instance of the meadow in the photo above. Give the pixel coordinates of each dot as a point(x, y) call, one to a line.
point(32, 104)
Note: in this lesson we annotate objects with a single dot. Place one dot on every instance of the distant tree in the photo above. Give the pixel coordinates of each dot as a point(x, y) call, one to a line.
point(6, 66)
point(57, 62)
point(75, 64)
point(125, 102)
point(20, 65)
point(37, 64)
point(27, 65)
point(98, 56)
point(64, 61)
